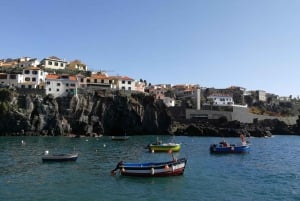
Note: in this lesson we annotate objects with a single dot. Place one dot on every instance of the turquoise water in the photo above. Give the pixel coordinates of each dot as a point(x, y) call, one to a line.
point(269, 172)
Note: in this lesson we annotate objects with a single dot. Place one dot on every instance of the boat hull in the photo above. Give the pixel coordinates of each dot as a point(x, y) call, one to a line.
point(171, 168)
point(164, 147)
point(59, 157)
point(119, 138)
point(230, 149)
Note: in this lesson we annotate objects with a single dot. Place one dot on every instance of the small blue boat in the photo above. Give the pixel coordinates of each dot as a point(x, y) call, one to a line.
point(224, 147)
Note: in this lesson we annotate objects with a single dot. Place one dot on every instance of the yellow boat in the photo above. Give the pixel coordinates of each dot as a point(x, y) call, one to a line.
point(164, 147)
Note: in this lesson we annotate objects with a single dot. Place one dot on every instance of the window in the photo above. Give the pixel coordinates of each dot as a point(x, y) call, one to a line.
point(33, 79)
point(95, 80)
point(48, 83)
point(34, 72)
point(22, 86)
point(88, 80)
point(13, 77)
point(29, 86)
point(26, 72)
point(27, 79)
point(129, 82)
point(57, 84)
point(110, 81)
point(61, 65)
point(72, 85)
point(123, 81)
point(129, 88)
point(49, 89)
point(123, 88)
point(67, 84)
point(57, 89)
point(56, 64)
point(102, 81)
point(67, 90)
point(49, 62)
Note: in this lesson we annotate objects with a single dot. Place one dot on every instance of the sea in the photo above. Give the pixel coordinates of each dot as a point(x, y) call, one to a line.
point(270, 171)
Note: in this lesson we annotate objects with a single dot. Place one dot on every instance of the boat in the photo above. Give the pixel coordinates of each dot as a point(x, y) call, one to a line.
point(119, 138)
point(170, 168)
point(225, 147)
point(159, 146)
point(59, 157)
point(164, 147)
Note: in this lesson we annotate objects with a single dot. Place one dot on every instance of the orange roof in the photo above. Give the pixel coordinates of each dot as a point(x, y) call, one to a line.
point(32, 68)
point(98, 76)
point(56, 77)
point(52, 76)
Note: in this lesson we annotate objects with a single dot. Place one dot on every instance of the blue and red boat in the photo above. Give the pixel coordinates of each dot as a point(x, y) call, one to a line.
point(152, 169)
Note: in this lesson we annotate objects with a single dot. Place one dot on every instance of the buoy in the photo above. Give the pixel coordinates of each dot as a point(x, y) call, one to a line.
point(46, 152)
point(23, 142)
point(104, 145)
point(152, 150)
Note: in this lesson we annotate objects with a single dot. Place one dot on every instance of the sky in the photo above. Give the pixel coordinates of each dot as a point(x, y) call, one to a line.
point(253, 44)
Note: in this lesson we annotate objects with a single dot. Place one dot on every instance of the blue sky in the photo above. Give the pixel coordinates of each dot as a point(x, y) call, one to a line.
point(215, 43)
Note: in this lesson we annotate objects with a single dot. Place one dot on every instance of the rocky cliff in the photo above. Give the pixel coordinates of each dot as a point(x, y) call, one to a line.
point(102, 113)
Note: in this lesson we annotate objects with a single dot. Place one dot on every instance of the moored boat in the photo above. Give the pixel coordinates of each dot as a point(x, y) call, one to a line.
point(170, 168)
point(224, 147)
point(164, 147)
point(119, 138)
point(59, 157)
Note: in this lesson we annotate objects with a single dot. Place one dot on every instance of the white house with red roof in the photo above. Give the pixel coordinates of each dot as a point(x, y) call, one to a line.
point(125, 83)
point(61, 85)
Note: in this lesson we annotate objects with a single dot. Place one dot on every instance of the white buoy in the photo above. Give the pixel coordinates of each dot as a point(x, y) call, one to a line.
point(46, 152)
point(23, 142)
point(104, 145)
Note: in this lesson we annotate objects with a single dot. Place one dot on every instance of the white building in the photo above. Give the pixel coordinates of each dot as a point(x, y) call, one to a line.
point(33, 77)
point(125, 83)
point(53, 63)
point(10, 79)
point(25, 62)
point(221, 99)
point(61, 85)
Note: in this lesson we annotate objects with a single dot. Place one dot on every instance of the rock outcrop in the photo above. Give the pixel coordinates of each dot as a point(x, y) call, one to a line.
point(102, 113)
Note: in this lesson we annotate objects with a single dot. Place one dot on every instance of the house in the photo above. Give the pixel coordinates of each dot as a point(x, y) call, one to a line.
point(10, 79)
point(33, 77)
point(102, 80)
point(77, 65)
point(27, 62)
point(53, 63)
point(125, 83)
point(220, 99)
point(261, 95)
point(8, 63)
point(61, 85)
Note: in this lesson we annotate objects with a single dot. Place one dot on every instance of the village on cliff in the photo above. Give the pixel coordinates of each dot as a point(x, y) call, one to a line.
point(62, 78)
